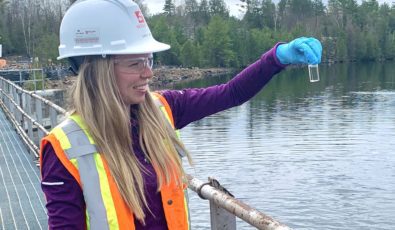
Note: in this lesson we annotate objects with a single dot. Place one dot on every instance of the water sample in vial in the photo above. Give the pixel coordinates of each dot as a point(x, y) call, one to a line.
point(314, 74)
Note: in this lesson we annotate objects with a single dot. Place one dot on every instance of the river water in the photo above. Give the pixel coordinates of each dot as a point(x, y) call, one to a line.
point(311, 155)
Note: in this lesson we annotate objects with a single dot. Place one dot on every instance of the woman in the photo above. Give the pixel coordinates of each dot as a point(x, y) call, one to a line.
point(115, 162)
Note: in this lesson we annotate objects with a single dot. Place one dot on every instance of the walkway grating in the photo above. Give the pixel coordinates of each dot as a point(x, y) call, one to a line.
point(22, 204)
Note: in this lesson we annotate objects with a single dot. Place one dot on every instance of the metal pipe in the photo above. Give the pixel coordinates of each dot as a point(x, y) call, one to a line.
point(29, 143)
point(39, 126)
point(234, 206)
point(59, 109)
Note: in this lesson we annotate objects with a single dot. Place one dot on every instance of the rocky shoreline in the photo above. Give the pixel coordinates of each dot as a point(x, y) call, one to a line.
point(163, 77)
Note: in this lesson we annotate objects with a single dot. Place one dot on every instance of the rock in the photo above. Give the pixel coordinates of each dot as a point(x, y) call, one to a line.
point(163, 77)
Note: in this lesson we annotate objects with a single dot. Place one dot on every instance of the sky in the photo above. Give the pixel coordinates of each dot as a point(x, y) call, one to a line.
point(156, 6)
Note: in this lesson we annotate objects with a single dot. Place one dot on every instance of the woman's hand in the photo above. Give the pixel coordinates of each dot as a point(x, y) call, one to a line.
point(300, 51)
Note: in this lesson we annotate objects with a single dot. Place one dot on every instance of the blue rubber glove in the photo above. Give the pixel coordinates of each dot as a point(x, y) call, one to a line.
point(300, 51)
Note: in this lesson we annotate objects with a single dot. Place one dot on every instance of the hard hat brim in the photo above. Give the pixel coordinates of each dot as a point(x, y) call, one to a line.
point(151, 46)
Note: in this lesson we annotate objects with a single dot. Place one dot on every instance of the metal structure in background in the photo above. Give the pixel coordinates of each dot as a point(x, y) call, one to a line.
point(33, 116)
point(22, 76)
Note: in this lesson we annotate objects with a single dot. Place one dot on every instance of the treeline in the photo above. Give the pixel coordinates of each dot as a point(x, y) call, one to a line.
point(203, 34)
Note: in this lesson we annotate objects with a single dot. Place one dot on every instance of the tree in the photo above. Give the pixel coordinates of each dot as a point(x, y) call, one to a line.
point(3, 3)
point(341, 49)
point(169, 8)
point(297, 7)
point(294, 13)
point(204, 12)
point(218, 7)
point(190, 54)
point(269, 14)
point(143, 7)
point(191, 8)
point(253, 15)
point(161, 29)
point(319, 11)
point(217, 44)
point(191, 17)
point(47, 47)
point(356, 32)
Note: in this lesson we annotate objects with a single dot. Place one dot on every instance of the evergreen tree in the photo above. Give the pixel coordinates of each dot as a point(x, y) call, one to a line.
point(341, 48)
point(217, 44)
point(204, 12)
point(47, 48)
point(269, 14)
point(190, 54)
point(253, 16)
point(202, 33)
point(192, 20)
point(169, 8)
point(191, 8)
point(2, 6)
point(218, 7)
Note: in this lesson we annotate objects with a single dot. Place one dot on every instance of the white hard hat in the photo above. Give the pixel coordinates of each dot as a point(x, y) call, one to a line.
point(105, 27)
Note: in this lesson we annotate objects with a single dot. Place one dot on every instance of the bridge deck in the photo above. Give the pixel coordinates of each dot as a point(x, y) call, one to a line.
point(22, 204)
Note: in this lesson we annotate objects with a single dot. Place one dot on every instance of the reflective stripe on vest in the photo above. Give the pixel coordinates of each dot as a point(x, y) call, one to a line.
point(162, 104)
point(101, 212)
point(105, 208)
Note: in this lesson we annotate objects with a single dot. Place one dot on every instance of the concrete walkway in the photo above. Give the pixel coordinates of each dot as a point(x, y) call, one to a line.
point(22, 204)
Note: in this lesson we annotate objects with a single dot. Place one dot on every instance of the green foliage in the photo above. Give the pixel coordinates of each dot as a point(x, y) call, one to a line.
point(388, 47)
point(341, 49)
point(36, 82)
point(260, 40)
point(239, 35)
point(218, 8)
point(190, 56)
point(47, 48)
point(217, 44)
point(202, 33)
point(169, 8)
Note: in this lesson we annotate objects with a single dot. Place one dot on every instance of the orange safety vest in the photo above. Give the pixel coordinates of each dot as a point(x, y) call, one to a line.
point(105, 208)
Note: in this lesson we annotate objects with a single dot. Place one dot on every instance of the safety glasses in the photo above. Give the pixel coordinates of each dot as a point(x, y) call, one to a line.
point(133, 65)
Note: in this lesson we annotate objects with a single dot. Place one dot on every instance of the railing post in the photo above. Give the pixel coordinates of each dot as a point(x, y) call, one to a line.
point(19, 101)
point(10, 92)
point(29, 111)
point(23, 106)
point(15, 98)
point(219, 217)
point(53, 116)
point(39, 116)
point(42, 80)
point(35, 82)
point(1, 87)
point(234, 206)
point(7, 103)
point(20, 110)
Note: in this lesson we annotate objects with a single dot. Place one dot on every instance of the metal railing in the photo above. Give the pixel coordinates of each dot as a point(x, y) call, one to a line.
point(33, 122)
point(31, 114)
point(32, 73)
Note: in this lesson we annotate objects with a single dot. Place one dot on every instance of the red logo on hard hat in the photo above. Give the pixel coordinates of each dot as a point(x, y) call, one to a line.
point(139, 16)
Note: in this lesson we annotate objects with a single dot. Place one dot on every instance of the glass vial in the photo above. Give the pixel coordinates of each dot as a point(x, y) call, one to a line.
point(314, 74)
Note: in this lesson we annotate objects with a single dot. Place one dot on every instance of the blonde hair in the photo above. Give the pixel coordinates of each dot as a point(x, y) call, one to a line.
point(96, 98)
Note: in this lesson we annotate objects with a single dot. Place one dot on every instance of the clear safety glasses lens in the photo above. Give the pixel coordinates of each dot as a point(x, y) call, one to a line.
point(134, 65)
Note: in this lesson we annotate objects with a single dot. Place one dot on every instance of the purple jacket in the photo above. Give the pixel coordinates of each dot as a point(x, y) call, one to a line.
point(65, 203)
